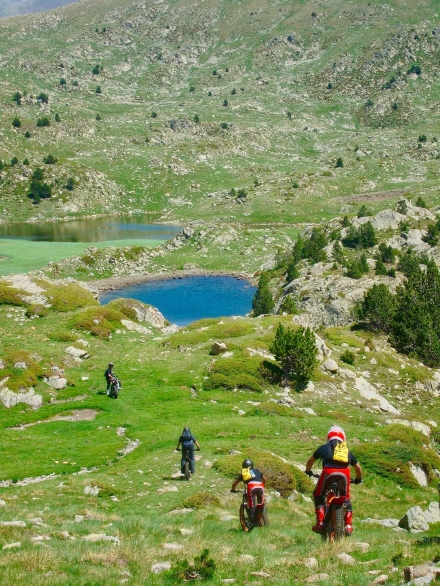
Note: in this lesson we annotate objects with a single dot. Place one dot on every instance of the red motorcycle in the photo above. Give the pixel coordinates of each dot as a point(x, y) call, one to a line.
point(335, 506)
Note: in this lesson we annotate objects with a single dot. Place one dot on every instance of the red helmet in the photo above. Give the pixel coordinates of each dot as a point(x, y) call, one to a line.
point(336, 433)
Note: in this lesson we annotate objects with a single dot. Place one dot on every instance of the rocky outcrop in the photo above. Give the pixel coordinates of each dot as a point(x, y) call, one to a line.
point(414, 520)
point(28, 397)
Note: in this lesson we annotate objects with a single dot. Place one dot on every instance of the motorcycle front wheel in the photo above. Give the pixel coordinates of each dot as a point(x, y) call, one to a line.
point(187, 470)
point(337, 516)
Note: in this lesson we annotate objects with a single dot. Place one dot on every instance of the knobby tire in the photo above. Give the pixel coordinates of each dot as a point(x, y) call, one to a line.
point(336, 529)
point(187, 470)
point(246, 525)
point(263, 518)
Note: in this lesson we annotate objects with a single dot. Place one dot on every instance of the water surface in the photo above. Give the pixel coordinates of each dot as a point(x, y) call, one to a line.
point(183, 301)
point(20, 7)
point(88, 230)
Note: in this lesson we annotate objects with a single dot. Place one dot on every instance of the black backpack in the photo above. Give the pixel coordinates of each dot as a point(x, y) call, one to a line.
point(186, 435)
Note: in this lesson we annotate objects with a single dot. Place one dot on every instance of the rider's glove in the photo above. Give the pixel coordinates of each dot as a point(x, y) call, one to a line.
point(308, 472)
point(358, 481)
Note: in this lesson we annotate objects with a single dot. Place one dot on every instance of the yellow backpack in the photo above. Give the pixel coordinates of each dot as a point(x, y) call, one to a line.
point(247, 474)
point(341, 452)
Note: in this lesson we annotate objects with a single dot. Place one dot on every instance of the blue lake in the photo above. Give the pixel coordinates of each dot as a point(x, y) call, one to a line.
point(183, 301)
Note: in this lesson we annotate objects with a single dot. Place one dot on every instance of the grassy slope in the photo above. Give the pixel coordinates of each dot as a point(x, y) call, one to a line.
point(155, 403)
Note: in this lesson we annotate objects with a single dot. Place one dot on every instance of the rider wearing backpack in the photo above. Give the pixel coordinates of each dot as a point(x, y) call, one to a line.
point(187, 440)
point(109, 376)
point(336, 458)
point(255, 482)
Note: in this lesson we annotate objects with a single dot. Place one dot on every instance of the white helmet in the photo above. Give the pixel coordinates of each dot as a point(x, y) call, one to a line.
point(336, 433)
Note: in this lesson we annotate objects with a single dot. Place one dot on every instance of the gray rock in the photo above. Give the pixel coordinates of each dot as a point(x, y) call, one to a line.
point(419, 474)
point(330, 365)
point(101, 537)
point(77, 352)
point(12, 523)
point(56, 382)
point(346, 559)
point(311, 563)
point(218, 348)
point(91, 490)
point(12, 545)
point(173, 546)
point(414, 520)
point(317, 578)
point(432, 513)
point(160, 567)
point(20, 365)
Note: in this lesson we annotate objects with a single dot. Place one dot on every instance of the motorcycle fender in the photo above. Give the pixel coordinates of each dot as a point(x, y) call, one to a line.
point(336, 500)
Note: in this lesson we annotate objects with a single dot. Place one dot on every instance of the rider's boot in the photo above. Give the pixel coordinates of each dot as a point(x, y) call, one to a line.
point(348, 523)
point(319, 526)
point(251, 514)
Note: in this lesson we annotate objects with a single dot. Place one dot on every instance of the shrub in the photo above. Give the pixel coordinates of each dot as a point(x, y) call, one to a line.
point(380, 267)
point(70, 184)
point(363, 212)
point(26, 162)
point(99, 321)
point(154, 114)
point(17, 98)
point(420, 203)
point(288, 306)
point(62, 81)
point(233, 92)
point(27, 134)
point(415, 69)
point(196, 118)
point(345, 223)
point(42, 97)
point(202, 568)
point(43, 121)
point(37, 310)
point(11, 296)
point(234, 373)
point(200, 500)
point(39, 190)
point(98, 89)
point(127, 307)
point(289, 115)
point(348, 357)
point(422, 138)
point(14, 161)
point(224, 126)
point(192, 89)
point(280, 476)
point(386, 253)
point(329, 86)
point(38, 174)
point(50, 160)
point(96, 70)
point(225, 103)
point(98, 117)
point(16, 122)
point(392, 456)
point(339, 162)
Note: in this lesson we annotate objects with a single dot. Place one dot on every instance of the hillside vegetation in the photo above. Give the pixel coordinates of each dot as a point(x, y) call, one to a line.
point(296, 142)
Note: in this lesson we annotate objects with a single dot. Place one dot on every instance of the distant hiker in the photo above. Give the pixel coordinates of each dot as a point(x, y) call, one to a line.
point(109, 376)
point(336, 459)
point(187, 441)
point(255, 482)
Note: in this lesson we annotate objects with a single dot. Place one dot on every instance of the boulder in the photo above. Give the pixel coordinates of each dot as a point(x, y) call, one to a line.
point(419, 474)
point(160, 567)
point(134, 327)
point(432, 513)
point(56, 382)
point(77, 352)
point(330, 365)
point(414, 520)
point(29, 397)
point(218, 348)
point(369, 392)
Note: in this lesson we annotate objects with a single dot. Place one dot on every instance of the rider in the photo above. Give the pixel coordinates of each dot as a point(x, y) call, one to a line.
point(109, 376)
point(326, 453)
point(255, 482)
point(187, 440)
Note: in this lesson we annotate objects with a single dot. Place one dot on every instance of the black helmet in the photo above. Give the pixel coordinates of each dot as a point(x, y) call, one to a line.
point(110, 363)
point(247, 463)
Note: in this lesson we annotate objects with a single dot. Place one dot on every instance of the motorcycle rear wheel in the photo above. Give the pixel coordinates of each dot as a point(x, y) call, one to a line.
point(187, 470)
point(337, 516)
point(245, 523)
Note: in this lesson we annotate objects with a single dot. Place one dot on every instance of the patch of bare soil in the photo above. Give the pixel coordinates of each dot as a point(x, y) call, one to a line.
point(76, 415)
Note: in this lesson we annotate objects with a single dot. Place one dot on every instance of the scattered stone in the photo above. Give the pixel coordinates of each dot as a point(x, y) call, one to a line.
point(12, 523)
point(311, 563)
point(379, 580)
point(364, 547)
point(180, 511)
point(91, 490)
point(414, 520)
point(173, 546)
point(77, 352)
point(260, 574)
point(247, 558)
point(346, 559)
point(40, 538)
point(168, 489)
point(101, 537)
point(317, 578)
point(2, 503)
point(419, 474)
point(56, 382)
point(12, 545)
point(390, 523)
point(218, 348)
point(160, 567)
point(184, 531)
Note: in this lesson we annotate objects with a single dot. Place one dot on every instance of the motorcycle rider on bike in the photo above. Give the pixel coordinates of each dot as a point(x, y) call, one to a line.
point(326, 453)
point(187, 440)
point(109, 376)
point(255, 482)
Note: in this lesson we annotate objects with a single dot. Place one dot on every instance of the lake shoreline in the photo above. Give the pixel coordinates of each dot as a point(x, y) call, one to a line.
point(114, 283)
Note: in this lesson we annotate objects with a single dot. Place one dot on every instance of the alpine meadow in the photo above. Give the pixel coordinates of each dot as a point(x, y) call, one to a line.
point(293, 145)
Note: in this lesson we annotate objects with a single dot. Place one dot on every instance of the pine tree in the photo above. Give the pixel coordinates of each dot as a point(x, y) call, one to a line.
point(263, 301)
point(296, 351)
point(377, 308)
